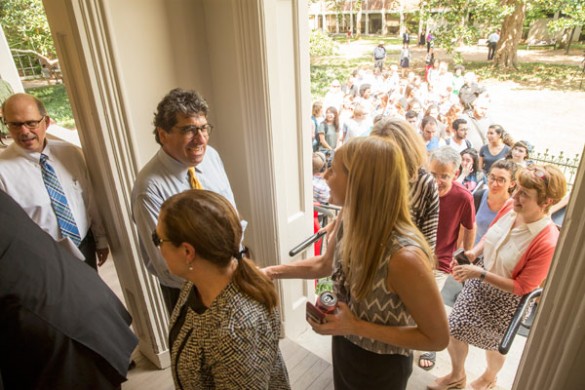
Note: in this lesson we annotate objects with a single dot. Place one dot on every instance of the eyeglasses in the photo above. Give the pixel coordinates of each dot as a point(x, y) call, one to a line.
point(28, 124)
point(156, 240)
point(499, 180)
point(206, 129)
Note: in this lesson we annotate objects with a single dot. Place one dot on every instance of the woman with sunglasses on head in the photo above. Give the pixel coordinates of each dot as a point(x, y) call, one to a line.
point(423, 191)
point(381, 266)
point(225, 328)
point(517, 251)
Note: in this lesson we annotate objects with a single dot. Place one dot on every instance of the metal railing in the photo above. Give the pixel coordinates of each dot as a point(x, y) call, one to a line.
point(29, 66)
point(567, 165)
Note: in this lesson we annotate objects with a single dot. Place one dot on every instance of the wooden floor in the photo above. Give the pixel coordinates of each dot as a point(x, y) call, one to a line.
point(305, 370)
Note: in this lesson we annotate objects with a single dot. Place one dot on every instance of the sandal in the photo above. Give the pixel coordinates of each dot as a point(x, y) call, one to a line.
point(437, 385)
point(429, 356)
point(490, 385)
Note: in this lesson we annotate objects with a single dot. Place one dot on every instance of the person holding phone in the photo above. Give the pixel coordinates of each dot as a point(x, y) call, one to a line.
point(517, 252)
point(375, 257)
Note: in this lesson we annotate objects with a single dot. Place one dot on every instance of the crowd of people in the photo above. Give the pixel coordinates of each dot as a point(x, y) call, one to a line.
point(419, 170)
point(485, 196)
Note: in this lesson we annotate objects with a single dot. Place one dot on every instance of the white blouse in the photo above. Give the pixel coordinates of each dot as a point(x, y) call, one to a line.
point(504, 244)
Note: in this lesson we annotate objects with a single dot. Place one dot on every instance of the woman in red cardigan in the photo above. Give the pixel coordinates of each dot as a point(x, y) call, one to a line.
point(517, 251)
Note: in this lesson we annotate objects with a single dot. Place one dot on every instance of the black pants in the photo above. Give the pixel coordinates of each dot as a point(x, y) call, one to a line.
point(354, 368)
point(170, 296)
point(491, 50)
point(88, 248)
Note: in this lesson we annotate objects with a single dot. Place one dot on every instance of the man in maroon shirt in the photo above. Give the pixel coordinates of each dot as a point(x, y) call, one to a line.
point(456, 220)
point(456, 209)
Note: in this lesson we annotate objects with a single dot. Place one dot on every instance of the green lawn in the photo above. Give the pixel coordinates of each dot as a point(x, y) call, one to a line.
point(529, 75)
point(57, 103)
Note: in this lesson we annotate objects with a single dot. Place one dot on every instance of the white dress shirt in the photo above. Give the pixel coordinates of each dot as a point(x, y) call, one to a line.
point(161, 178)
point(21, 178)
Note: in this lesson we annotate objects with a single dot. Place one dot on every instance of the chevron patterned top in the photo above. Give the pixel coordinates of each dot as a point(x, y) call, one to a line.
point(380, 305)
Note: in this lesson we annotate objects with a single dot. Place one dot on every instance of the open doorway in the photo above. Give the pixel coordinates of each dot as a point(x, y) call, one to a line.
point(34, 68)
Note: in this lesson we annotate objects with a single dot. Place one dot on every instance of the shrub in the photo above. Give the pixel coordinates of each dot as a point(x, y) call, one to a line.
point(320, 44)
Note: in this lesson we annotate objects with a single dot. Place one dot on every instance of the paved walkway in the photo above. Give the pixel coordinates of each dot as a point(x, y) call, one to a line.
point(548, 119)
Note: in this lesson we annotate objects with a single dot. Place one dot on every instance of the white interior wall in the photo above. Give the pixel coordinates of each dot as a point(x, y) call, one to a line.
point(158, 47)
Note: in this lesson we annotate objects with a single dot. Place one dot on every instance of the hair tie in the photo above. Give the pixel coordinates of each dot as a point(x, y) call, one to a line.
point(240, 255)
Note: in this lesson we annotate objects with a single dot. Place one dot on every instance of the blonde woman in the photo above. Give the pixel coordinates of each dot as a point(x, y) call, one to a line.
point(225, 328)
point(423, 192)
point(375, 258)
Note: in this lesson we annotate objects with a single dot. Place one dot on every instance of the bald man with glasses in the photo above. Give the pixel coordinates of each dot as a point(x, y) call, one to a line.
point(49, 179)
point(184, 161)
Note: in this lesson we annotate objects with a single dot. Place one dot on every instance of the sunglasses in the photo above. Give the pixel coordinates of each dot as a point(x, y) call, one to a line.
point(156, 240)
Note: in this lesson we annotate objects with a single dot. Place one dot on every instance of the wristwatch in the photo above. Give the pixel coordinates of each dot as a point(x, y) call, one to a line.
point(482, 276)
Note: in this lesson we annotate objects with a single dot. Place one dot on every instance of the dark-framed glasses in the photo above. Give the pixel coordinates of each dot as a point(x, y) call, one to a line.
point(499, 180)
point(192, 131)
point(156, 240)
point(28, 124)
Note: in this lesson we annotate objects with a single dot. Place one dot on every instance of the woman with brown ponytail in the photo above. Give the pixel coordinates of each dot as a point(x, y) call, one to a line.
point(225, 327)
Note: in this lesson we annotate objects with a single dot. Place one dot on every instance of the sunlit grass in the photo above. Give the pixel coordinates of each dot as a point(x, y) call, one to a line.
point(528, 75)
point(57, 103)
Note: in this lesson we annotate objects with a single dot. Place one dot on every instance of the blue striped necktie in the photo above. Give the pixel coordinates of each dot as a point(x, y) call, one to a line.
point(65, 218)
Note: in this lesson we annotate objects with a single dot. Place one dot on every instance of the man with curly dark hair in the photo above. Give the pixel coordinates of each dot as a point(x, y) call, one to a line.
point(184, 161)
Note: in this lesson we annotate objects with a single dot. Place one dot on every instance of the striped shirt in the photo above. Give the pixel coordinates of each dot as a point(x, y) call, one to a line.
point(424, 206)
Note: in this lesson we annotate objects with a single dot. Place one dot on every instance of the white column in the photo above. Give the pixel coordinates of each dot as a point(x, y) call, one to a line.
point(555, 351)
point(250, 60)
point(96, 91)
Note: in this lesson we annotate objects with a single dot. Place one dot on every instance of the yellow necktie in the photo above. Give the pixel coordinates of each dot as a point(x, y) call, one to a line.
point(195, 184)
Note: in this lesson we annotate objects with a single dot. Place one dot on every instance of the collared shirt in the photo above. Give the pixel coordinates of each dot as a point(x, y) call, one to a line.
point(493, 38)
point(320, 190)
point(21, 178)
point(161, 178)
point(505, 244)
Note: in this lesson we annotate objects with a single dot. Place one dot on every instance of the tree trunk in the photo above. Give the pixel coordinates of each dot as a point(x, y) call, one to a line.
point(507, 48)
point(569, 40)
point(358, 20)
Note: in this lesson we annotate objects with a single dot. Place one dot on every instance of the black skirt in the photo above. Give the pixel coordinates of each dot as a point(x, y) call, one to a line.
point(355, 368)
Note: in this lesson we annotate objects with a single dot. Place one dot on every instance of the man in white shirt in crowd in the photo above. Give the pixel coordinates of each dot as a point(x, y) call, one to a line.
point(334, 97)
point(478, 120)
point(184, 161)
point(492, 44)
point(34, 168)
point(459, 140)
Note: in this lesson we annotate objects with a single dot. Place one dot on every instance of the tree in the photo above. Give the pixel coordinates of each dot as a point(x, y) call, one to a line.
point(507, 49)
point(460, 21)
point(358, 18)
point(572, 15)
point(26, 27)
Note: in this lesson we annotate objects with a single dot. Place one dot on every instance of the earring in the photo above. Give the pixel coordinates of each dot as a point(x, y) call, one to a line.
point(190, 266)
